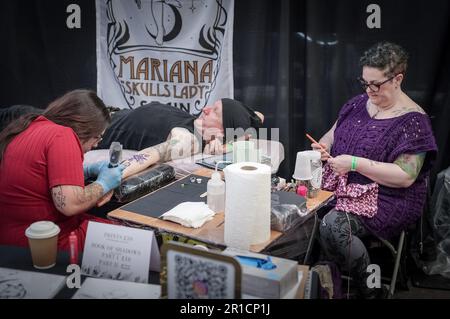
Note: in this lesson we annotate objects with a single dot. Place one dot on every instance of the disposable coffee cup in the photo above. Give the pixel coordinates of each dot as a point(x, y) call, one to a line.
point(43, 241)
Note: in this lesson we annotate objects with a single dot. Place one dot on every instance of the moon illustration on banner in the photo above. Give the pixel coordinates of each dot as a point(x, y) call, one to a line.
point(161, 36)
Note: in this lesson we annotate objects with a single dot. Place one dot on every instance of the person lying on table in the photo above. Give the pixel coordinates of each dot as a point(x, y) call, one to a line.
point(41, 168)
point(163, 133)
point(382, 149)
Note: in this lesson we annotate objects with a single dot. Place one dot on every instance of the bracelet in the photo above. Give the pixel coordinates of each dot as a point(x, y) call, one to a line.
point(354, 159)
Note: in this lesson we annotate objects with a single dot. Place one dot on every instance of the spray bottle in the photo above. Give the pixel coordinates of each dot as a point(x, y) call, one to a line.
point(216, 192)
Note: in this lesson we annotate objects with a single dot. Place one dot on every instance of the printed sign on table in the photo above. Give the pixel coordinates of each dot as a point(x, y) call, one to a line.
point(120, 253)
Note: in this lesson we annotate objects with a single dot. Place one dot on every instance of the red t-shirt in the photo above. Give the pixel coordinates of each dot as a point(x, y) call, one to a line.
point(43, 156)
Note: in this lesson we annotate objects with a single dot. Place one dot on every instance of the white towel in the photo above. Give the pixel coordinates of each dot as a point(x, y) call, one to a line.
point(189, 214)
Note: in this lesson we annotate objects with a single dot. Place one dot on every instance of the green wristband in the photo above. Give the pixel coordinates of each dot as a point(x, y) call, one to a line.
point(353, 164)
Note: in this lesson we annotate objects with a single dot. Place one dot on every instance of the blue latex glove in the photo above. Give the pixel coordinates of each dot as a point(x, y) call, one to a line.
point(110, 178)
point(92, 170)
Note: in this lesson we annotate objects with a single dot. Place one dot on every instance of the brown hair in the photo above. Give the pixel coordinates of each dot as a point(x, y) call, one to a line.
point(385, 56)
point(81, 110)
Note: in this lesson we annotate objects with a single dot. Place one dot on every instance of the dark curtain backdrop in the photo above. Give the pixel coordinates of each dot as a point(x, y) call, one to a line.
point(294, 60)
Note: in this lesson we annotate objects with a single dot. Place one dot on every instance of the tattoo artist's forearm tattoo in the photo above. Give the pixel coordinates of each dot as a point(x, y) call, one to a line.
point(411, 164)
point(58, 197)
point(87, 194)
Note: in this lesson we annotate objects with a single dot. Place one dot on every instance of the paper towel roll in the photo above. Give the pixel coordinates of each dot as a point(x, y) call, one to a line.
point(247, 204)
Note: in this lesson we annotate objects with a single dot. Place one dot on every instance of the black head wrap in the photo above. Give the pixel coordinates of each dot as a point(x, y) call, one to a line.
point(237, 115)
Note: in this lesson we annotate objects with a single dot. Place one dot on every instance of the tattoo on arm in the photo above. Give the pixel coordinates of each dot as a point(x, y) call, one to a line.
point(411, 164)
point(91, 192)
point(58, 197)
point(165, 150)
point(176, 146)
point(138, 158)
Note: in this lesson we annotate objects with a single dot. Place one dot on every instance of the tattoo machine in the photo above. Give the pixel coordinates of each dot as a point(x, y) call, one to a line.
point(115, 154)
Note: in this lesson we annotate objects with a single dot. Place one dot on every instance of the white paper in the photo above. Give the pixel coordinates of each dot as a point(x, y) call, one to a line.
point(189, 214)
point(18, 284)
point(118, 252)
point(94, 288)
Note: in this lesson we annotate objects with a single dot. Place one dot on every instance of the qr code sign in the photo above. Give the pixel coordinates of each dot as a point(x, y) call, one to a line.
point(196, 279)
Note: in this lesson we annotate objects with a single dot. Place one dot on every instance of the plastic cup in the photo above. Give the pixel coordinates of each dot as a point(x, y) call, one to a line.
point(302, 167)
point(245, 151)
point(43, 241)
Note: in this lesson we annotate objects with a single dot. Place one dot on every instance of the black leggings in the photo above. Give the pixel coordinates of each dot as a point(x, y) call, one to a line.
point(342, 244)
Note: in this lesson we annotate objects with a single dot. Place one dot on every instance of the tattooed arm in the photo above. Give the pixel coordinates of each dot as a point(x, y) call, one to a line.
point(139, 162)
point(72, 200)
point(180, 143)
point(402, 173)
point(411, 164)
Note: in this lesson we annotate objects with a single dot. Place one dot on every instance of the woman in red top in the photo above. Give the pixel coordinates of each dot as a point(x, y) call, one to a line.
point(41, 168)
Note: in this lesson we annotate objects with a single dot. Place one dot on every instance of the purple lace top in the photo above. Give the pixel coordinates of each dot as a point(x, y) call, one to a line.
point(384, 140)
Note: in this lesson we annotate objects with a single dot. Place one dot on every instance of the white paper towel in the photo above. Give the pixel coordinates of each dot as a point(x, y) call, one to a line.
point(247, 204)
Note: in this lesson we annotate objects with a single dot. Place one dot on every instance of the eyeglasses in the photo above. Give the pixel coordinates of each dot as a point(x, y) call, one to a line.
point(99, 138)
point(374, 87)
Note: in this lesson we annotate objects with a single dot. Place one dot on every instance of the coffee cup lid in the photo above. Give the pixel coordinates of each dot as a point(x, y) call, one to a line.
point(42, 229)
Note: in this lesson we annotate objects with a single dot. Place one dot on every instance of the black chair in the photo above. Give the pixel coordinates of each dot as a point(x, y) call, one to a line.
point(397, 250)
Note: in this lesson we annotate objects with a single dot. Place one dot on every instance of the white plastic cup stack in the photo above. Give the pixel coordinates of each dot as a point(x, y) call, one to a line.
point(302, 167)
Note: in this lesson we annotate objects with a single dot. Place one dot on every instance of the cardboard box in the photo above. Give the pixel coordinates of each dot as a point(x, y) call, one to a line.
point(273, 283)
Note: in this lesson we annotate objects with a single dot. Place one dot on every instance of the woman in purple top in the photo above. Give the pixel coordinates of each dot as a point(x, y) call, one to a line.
point(383, 140)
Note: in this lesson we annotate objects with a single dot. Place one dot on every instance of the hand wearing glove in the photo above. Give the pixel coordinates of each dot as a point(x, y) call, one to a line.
point(110, 178)
point(92, 170)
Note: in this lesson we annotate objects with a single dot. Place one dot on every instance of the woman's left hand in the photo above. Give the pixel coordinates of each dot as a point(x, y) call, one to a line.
point(341, 164)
